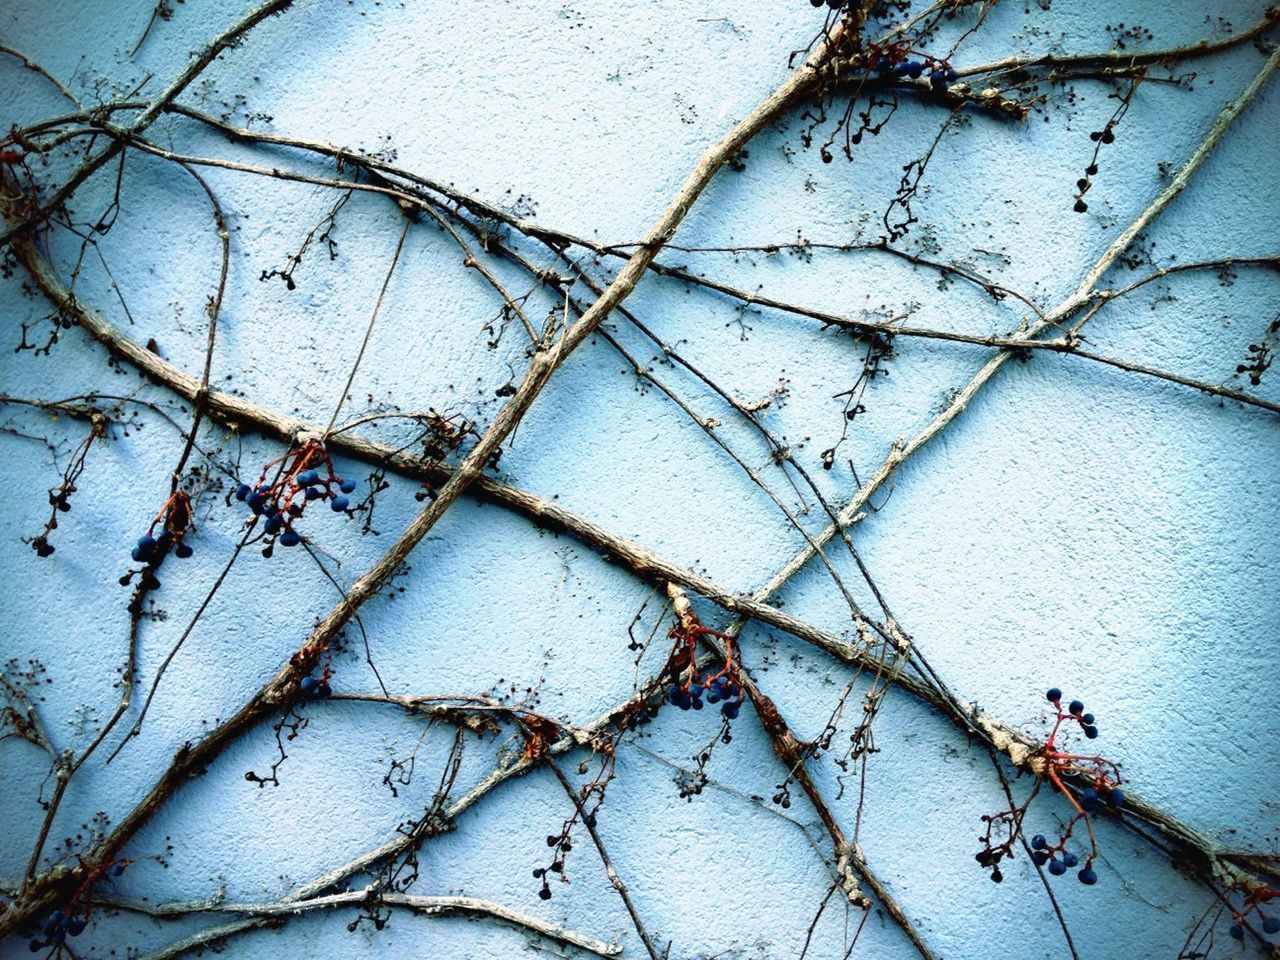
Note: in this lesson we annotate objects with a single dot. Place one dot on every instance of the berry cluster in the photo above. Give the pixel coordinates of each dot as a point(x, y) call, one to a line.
point(1253, 904)
point(72, 921)
point(1055, 765)
point(689, 688)
point(1105, 136)
point(57, 927)
point(316, 687)
point(894, 60)
point(587, 797)
point(562, 845)
point(60, 497)
point(301, 476)
point(175, 521)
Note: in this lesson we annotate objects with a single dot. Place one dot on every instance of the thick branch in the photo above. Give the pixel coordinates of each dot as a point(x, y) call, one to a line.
point(1190, 847)
point(281, 688)
point(425, 905)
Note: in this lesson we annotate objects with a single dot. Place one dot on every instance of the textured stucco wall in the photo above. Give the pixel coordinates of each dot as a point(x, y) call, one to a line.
point(1077, 526)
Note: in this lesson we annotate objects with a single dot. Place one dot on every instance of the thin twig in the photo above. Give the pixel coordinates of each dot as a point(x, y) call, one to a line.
point(589, 821)
point(198, 63)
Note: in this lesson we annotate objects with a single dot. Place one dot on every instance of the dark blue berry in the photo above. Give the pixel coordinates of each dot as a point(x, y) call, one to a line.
point(338, 504)
point(1087, 876)
point(1236, 931)
point(255, 501)
point(1090, 731)
point(938, 80)
point(308, 685)
point(1271, 925)
point(673, 694)
point(1076, 708)
point(1040, 857)
point(139, 555)
point(347, 486)
point(116, 869)
point(1087, 718)
point(1038, 842)
point(1057, 867)
point(314, 493)
point(1116, 797)
point(1054, 694)
point(730, 710)
point(914, 69)
point(306, 477)
point(183, 551)
point(76, 925)
point(274, 524)
point(290, 538)
point(1069, 860)
point(243, 491)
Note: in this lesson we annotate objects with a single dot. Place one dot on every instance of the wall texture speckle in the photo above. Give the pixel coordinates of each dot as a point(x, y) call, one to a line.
point(1076, 525)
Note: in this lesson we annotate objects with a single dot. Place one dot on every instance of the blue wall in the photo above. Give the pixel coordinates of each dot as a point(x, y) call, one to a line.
point(1077, 526)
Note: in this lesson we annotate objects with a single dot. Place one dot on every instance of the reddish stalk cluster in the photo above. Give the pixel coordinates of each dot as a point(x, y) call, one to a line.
point(689, 687)
point(175, 520)
point(71, 920)
point(1055, 765)
point(302, 475)
point(1253, 905)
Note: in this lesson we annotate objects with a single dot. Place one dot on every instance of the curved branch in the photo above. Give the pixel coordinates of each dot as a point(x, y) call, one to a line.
point(265, 913)
point(1115, 58)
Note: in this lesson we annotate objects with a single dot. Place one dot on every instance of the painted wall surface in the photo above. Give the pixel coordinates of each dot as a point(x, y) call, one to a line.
point(1078, 525)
